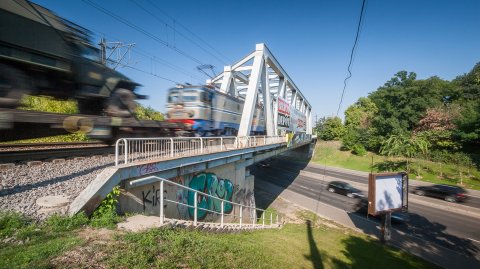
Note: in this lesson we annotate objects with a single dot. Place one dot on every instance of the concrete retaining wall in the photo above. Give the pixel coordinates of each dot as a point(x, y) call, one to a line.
point(228, 182)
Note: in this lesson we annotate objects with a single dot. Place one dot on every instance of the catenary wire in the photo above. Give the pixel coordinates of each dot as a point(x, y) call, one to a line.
point(141, 30)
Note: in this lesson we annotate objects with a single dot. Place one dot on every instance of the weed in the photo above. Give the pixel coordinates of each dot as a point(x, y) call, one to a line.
point(106, 213)
point(11, 222)
point(58, 223)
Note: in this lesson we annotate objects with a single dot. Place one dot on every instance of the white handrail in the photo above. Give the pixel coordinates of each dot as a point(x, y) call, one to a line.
point(139, 149)
point(195, 204)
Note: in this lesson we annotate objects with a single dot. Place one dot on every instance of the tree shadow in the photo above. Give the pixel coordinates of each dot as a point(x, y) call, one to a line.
point(359, 252)
point(314, 256)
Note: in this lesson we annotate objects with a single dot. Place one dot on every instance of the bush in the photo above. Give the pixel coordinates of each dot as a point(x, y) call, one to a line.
point(359, 150)
point(11, 222)
point(106, 213)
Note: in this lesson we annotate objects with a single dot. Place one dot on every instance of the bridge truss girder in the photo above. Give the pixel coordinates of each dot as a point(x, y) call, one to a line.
point(259, 79)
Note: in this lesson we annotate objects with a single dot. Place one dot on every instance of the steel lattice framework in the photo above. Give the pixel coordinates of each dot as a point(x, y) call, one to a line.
point(260, 79)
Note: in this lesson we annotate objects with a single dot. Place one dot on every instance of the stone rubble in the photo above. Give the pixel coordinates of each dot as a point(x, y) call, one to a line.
point(22, 184)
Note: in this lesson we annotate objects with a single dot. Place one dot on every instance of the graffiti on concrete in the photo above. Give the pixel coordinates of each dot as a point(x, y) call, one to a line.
point(148, 169)
point(181, 197)
point(210, 184)
point(152, 197)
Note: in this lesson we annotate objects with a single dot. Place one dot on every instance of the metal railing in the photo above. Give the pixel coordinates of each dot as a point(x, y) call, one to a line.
point(253, 221)
point(141, 149)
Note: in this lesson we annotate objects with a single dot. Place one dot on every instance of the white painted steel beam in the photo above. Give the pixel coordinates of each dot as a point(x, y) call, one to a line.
point(261, 70)
point(252, 92)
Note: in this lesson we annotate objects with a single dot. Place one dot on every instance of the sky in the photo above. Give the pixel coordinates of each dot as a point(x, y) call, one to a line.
point(311, 39)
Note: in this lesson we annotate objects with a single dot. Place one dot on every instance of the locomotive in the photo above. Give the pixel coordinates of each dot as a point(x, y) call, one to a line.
point(44, 54)
point(208, 112)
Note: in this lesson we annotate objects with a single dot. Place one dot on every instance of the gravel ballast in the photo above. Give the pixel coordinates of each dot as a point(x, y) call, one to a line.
point(22, 185)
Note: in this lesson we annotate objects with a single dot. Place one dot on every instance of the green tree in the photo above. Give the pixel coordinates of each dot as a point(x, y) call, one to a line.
point(405, 146)
point(147, 113)
point(358, 125)
point(403, 101)
point(333, 129)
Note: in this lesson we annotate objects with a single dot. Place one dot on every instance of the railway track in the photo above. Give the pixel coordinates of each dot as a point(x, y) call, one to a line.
point(20, 153)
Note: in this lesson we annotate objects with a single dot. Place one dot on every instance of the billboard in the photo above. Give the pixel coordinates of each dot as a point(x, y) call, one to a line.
point(289, 118)
point(283, 114)
point(387, 192)
point(298, 121)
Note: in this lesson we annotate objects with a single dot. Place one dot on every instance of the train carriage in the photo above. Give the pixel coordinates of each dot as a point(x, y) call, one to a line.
point(209, 112)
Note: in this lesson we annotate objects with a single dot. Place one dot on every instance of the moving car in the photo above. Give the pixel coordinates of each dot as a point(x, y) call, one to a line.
point(344, 188)
point(263, 164)
point(447, 192)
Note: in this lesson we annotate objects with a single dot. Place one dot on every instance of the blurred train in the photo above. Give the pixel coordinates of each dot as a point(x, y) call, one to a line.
point(208, 112)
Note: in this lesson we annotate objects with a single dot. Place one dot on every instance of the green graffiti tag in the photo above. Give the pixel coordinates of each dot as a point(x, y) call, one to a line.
point(210, 184)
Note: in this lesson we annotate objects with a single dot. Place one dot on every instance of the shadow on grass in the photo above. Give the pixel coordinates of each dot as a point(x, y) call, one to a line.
point(417, 230)
point(366, 253)
point(314, 256)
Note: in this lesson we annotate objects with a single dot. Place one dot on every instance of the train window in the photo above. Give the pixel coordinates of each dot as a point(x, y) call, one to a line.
point(173, 97)
point(190, 96)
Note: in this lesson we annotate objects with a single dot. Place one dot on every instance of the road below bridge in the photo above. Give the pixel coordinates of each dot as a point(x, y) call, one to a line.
point(433, 221)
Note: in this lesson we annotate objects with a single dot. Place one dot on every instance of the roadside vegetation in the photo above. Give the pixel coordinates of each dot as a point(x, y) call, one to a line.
point(329, 153)
point(66, 242)
point(49, 104)
point(428, 127)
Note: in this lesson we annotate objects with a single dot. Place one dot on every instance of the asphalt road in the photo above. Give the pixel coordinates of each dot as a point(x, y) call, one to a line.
point(455, 231)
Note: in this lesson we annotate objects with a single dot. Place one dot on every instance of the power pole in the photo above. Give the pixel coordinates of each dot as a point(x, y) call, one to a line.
point(117, 50)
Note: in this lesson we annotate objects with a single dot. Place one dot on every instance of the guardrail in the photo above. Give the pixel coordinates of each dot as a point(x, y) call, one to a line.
point(140, 149)
point(253, 221)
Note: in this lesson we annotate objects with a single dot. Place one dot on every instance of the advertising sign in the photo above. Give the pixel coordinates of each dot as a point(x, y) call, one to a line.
point(283, 114)
point(387, 192)
point(299, 121)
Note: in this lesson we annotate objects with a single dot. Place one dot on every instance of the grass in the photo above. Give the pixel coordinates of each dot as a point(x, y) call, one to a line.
point(61, 242)
point(329, 153)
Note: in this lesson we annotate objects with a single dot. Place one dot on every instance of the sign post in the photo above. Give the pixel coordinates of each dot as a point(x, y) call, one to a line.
point(387, 193)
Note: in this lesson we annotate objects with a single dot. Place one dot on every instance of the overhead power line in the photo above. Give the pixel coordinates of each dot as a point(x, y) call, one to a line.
point(362, 11)
point(141, 30)
point(176, 31)
point(228, 60)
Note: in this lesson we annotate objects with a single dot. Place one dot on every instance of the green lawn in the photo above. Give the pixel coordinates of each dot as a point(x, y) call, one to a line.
point(310, 245)
point(329, 153)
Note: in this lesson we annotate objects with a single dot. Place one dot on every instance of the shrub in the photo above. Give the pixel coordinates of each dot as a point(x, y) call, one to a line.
point(359, 150)
point(106, 213)
point(11, 222)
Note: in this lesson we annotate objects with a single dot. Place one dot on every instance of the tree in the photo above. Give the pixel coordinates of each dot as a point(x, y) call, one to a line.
point(333, 129)
point(358, 125)
point(319, 124)
point(147, 113)
point(403, 100)
point(405, 146)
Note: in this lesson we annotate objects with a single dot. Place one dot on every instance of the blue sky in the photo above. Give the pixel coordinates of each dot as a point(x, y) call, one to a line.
point(311, 39)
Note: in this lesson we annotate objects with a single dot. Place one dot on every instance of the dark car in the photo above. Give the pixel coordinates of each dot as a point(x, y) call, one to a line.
point(263, 164)
point(447, 192)
point(344, 188)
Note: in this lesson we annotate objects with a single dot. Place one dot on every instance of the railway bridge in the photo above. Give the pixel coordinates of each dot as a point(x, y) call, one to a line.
point(208, 178)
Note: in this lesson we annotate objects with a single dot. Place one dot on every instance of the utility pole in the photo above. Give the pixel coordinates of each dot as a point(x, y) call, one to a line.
point(116, 49)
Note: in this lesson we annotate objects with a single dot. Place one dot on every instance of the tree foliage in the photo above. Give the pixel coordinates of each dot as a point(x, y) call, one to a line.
point(332, 129)
point(408, 116)
point(147, 113)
